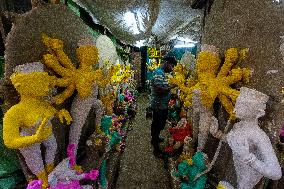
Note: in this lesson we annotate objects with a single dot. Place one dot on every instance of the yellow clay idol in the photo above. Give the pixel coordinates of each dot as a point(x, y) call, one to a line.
point(84, 79)
point(28, 124)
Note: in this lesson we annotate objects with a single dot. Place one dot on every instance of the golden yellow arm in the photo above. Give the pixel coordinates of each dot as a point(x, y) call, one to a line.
point(246, 74)
point(236, 75)
point(55, 47)
point(11, 133)
point(231, 57)
point(50, 61)
point(60, 98)
point(63, 113)
point(46, 41)
point(98, 75)
point(231, 93)
point(208, 96)
point(62, 82)
point(64, 60)
point(228, 105)
point(225, 69)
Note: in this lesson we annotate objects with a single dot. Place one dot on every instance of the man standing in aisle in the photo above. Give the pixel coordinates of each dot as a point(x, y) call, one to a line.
point(160, 95)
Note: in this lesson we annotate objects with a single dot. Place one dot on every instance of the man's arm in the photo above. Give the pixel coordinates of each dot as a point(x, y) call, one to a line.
point(160, 85)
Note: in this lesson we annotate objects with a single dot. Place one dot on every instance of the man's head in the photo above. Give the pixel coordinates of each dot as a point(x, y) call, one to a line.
point(167, 64)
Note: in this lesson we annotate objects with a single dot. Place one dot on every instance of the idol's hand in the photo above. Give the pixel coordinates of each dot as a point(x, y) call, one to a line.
point(52, 44)
point(92, 175)
point(240, 147)
point(214, 129)
point(214, 126)
point(64, 114)
point(35, 184)
point(44, 130)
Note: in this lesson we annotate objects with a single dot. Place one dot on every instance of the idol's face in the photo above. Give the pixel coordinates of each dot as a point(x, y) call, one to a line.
point(35, 84)
point(245, 108)
point(242, 109)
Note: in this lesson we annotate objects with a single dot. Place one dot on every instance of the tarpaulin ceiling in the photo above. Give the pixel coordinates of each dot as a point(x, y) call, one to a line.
point(146, 21)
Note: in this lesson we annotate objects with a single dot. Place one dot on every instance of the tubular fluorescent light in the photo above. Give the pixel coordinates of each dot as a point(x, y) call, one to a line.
point(185, 45)
point(186, 40)
point(140, 43)
point(130, 21)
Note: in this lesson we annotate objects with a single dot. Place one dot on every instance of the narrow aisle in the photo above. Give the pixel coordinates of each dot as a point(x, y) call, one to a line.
point(139, 169)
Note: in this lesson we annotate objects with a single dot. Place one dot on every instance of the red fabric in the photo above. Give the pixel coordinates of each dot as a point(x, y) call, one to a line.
point(172, 103)
point(169, 149)
point(179, 134)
